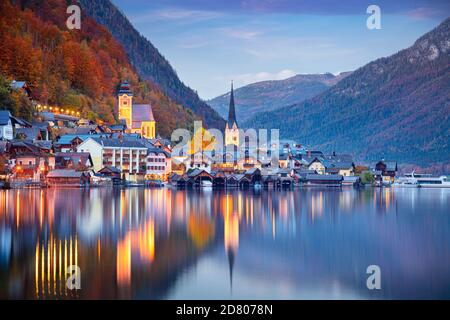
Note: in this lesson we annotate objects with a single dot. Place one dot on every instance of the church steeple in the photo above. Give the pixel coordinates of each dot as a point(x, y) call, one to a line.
point(232, 111)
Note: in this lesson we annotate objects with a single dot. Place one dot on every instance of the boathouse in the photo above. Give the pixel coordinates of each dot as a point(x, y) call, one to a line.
point(328, 180)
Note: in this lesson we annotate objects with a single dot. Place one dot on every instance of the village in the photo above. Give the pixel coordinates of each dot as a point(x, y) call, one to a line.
point(131, 153)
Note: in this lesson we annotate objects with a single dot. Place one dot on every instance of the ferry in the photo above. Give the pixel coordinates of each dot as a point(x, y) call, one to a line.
point(420, 180)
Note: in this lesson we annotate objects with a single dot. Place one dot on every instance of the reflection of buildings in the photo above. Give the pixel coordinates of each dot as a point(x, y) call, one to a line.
point(134, 241)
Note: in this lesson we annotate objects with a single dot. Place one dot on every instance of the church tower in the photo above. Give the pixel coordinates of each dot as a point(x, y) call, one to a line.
point(231, 128)
point(125, 104)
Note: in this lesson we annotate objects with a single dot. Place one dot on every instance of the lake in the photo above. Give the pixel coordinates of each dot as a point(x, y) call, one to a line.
point(186, 244)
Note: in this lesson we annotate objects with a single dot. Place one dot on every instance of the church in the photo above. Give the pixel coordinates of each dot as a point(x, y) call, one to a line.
point(137, 117)
point(231, 127)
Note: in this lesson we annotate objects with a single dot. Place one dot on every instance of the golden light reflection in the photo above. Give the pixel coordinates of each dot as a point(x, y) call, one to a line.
point(231, 232)
point(146, 241)
point(49, 267)
point(123, 261)
point(201, 230)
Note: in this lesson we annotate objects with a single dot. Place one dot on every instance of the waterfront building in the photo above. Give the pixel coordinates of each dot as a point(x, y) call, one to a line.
point(137, 117)
point(385, 171)
point(345, 168)
point(68, 177)
point(317, 165)
point(159, 164)
point(79, 161)
point(325, 180)
point(130, 156)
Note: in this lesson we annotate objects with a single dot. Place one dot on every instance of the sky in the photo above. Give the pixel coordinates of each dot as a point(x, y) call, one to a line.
point(211, 42)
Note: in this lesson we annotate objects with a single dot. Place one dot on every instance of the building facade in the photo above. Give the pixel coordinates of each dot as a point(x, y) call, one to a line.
point(159, 165)
point(128, 156)
point(137, 117)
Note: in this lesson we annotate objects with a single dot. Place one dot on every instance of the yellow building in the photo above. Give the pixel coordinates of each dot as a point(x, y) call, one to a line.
point(138, 117)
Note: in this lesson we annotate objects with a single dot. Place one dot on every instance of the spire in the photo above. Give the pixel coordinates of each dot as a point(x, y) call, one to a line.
point(231, 111)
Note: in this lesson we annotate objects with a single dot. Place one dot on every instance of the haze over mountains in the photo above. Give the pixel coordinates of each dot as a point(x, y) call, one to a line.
point(269, 95)
point(396, 107)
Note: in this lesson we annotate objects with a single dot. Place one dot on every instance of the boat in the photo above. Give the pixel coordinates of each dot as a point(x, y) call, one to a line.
point(421, 180)
point(206, 184)
point(433, 182)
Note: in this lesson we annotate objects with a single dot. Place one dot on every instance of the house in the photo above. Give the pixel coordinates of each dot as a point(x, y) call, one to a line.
point(80, 161)
point(198, 160)
point(21, 86)
point(317, 165)
point(29, 134)
point(299, 175)
point(158, 165)
point(6, 125)
point(68, 178)
point(111, 172)
point(388, 170)
point(343, 168)
point(70, 142)
point(283, 160)
point(30, 161)
point(9, 123)
point(129, 156)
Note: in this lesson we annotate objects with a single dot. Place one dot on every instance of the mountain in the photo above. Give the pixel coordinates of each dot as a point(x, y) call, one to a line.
point(269, 95)
point(147, 60)
point(78, 69)
point(396, 107)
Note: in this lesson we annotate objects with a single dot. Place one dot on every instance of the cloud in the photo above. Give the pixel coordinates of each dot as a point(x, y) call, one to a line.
point(193, 42)
point(248, 78)
point(423, 13)
point(176, 15)
point(240, 33)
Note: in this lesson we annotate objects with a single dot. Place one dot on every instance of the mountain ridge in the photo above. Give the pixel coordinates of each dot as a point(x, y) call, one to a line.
point(269, 95)
point(396, 107)
point(148, 61)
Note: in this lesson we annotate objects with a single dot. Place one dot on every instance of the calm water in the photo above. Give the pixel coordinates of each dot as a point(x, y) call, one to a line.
point(167, 244)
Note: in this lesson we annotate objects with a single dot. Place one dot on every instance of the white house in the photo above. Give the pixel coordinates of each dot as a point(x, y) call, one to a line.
point(317, 166)
point(6, 125)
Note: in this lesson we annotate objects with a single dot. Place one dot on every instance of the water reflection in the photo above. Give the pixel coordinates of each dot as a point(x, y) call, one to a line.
point(167, 244)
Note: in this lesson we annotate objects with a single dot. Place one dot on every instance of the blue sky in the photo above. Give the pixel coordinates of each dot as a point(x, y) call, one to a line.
point(211, 42)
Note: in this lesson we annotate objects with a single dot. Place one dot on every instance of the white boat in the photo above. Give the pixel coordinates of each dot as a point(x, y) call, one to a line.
point(419, 180)
point(433, 182)
point(206, 184)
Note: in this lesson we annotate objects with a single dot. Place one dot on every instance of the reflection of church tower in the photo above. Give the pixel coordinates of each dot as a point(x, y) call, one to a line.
point(231, 128)
point(231, 240)
point(125, 104)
